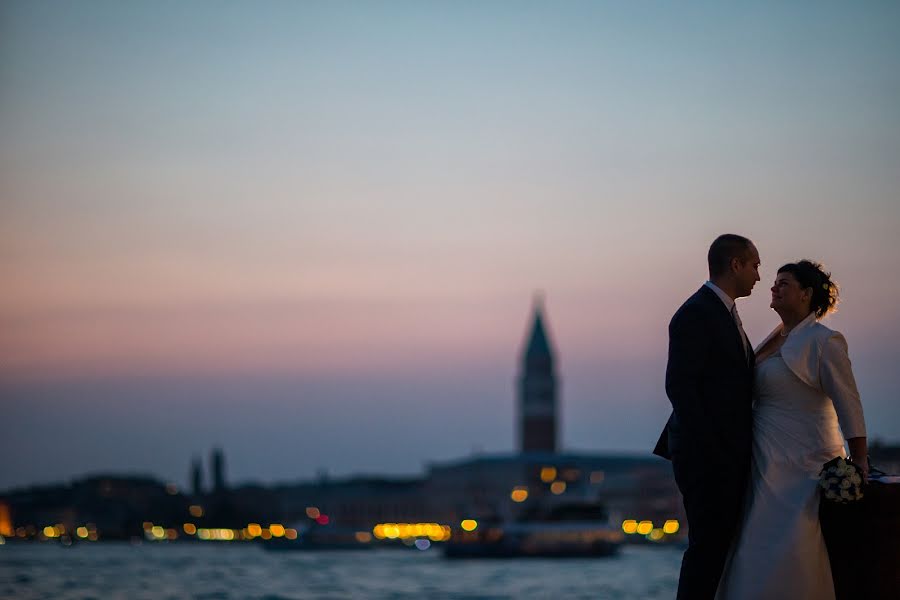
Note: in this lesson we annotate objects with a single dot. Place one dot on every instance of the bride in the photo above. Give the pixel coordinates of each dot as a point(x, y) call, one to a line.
point(803, 389)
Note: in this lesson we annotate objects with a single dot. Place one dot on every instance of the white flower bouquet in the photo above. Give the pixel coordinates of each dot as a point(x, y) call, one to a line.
point(841, 481)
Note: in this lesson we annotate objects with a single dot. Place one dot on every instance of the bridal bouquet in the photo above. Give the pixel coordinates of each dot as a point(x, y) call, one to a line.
point(841, 481)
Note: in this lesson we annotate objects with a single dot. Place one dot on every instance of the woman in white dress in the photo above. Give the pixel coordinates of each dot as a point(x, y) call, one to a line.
point(805, 397)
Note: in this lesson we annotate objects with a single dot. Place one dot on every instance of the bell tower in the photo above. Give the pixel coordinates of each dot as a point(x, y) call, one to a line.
point(537, 387)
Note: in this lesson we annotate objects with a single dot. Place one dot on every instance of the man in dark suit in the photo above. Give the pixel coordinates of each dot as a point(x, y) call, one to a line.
point(709, 380)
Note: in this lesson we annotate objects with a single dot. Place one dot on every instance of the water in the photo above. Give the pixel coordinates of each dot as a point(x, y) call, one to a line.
point(244, 571)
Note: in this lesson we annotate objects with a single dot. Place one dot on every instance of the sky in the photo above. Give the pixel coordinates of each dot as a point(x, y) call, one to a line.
point(312, 233)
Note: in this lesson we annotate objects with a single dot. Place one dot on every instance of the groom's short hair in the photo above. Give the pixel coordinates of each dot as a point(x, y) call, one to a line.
point(723, 249)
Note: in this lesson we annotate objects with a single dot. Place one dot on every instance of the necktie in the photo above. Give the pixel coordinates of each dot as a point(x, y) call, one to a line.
point(740, 326)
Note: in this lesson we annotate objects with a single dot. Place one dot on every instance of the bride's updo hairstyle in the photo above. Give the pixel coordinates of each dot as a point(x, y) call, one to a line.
point(810, 274)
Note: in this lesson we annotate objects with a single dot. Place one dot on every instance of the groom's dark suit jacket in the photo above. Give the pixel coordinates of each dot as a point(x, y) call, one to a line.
point(709, 382)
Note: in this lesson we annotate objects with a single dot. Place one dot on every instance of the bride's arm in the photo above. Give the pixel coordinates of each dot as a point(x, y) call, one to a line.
point(840, 385)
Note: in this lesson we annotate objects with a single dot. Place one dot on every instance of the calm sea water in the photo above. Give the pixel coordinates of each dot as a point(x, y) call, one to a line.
point(210, 572)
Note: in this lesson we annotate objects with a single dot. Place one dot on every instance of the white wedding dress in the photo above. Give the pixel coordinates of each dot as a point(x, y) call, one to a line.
point(780, 552)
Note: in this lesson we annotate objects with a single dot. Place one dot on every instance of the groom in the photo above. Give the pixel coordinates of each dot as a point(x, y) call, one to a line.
point(709, 379)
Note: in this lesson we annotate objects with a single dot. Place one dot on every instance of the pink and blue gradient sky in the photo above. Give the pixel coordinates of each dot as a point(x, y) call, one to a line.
point(310, 232)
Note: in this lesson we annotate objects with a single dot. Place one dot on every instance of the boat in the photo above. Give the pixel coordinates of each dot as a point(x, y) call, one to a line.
point(564, 531)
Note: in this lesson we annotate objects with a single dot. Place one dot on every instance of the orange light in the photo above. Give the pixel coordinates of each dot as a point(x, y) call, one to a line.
point(671, 526)
point(629, 526)
point(82, 532)
point(519, 494)
point(363, 537)
point(469, 524)
point(254, 529)
point(312, 512)
point(558, 487)
point(276, 530)
point(548, 474)
point(290, 534)
point(189, 528)
point(645, 527)
point(196, 510)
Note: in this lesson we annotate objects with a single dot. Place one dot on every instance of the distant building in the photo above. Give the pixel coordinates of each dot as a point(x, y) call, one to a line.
point(218, 470)
point(197, 477)
point(537, 390)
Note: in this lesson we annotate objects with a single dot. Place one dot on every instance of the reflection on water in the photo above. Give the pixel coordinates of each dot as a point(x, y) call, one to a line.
point(201, 572)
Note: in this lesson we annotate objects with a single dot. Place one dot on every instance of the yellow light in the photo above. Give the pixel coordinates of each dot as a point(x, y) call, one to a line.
point(82, 532)
point(203, 534)
point(378, 531)
point(290, 534)
point(629, 526)
point(312, 512)
point(548, 474)
point(226, 534)
point(190, 528)
point(519, 494)
point(363, 537)
point(276, 530)
point(655, 534)
point(558, 487)
point(469, 524)
point(158, 532)
point(254, 529)
point(50, 531)
point(645, 527)
point(671, 526)
point(196, 510)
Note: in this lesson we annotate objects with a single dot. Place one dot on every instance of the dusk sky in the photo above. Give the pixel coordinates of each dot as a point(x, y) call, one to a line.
point(311, 233)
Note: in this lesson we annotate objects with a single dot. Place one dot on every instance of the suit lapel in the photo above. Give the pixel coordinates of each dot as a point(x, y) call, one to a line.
point(730, 327)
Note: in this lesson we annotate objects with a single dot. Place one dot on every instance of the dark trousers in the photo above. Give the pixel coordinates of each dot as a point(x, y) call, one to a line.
point(714, 501)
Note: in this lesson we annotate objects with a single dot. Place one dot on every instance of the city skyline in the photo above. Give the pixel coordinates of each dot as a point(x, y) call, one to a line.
point(311, 234)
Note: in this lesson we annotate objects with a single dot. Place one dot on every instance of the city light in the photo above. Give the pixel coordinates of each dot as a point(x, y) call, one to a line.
point(290, 534)
point(469, 524)
point(645, 527)
point(597, 476)
point(558, 487)
point(519, 494)
point(423, 544)
point(629, 526)
point(50, 531)
point(82, 532)
point(655, 534)
point(548, 474)
point(671, 526)
point(407, 531)
point(363, 537)
point(254, 529)
point(322, 519)
point(276, 530)
point(312, 512)
point(189, 528)
point(196, 510)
